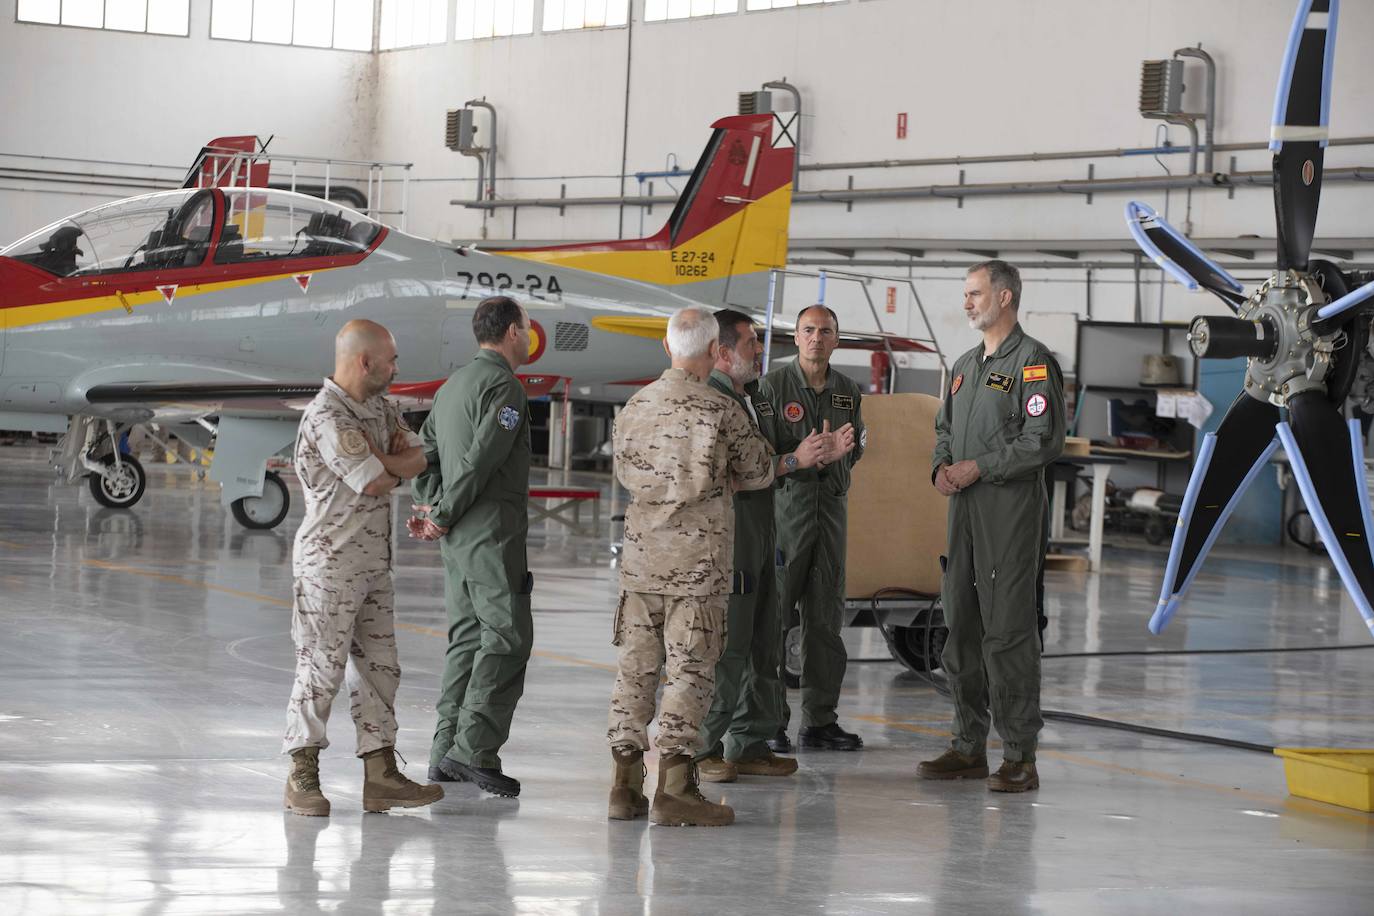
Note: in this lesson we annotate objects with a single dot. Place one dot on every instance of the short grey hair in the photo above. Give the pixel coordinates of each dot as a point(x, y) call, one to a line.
point(1002, 276)
point(691, 332)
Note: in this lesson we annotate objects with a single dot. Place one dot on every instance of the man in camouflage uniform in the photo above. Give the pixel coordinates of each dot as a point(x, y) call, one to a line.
point(682, 448)
point(1001, 424)
point(797, 399)
point(353, 449)
point(474, 498)
point(744, 714)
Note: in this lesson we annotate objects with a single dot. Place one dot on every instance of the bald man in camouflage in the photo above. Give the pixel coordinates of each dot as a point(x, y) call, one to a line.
point(682, 450)
point(352, 450)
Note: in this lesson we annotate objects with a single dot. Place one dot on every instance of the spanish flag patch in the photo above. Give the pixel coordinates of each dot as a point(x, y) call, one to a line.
point(1034, 374)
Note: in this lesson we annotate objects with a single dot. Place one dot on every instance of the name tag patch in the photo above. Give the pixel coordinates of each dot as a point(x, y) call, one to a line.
point(841, 402)
point(999, 381)
point(763, 408)
point(1035, 373)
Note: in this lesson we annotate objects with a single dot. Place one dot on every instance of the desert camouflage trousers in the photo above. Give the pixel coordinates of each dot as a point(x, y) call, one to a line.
point(343, 635)
point(687, 635)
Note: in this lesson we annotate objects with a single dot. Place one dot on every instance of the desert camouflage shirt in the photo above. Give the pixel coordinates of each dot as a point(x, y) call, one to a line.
point(681, 449)
point(345, 533)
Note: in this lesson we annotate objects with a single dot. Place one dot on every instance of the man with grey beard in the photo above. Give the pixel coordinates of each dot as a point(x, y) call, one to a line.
point(744, 713)
point(1001, 423)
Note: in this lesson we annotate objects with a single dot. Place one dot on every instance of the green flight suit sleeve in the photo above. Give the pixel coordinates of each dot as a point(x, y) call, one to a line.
point(1040, 438)
point(943, 453)
point(497, 433)
point(428, 485)
point(860, 431)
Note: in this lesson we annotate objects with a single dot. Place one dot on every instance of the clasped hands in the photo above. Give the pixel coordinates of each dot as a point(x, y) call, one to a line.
point(825, 447)
point(951, 478)
point(421, 527)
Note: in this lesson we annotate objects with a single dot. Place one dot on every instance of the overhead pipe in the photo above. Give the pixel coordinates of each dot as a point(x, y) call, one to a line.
point(784, 86)
point(1210, 112)
point(491, 173)
point(1221, 181)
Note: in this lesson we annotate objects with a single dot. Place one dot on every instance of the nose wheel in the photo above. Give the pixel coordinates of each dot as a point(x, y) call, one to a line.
point(265, 511)
point(119, 486)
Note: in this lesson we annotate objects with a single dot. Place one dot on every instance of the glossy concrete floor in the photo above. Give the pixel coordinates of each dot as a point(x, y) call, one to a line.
point(145, 662)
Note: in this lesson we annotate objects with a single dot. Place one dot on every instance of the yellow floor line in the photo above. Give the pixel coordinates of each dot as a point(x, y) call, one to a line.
point(1272, 801)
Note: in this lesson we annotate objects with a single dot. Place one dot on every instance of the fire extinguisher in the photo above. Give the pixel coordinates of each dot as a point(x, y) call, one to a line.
point(880, 365)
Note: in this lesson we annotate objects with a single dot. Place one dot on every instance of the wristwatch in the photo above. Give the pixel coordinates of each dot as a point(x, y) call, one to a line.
point(789, 462)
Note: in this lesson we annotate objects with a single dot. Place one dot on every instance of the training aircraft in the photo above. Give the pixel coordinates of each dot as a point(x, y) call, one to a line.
point(1304, 331)
point(221, 301)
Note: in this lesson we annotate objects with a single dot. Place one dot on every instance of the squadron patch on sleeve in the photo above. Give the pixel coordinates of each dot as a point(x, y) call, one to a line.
point(1036, 405)
point(841, 402)
point(509, 418)
point(792, 412)
point(863, 438)
point(352, 443)
point(958, 383)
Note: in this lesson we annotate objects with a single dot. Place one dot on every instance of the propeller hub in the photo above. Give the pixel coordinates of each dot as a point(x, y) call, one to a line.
point(1296, 359)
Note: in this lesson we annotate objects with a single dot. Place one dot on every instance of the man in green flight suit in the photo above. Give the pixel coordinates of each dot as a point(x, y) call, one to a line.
point(744, 713)
point(1000, 425)
point(801, 398)
point(473, 499)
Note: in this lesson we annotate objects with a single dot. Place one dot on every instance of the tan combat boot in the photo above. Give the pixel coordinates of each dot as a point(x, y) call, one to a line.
point(386, 787)
point(1015, 776)
point(303, 795)
point(953, 765)
point(769, 764)
point(678, 802)
point(717, 769)
point(627, 785)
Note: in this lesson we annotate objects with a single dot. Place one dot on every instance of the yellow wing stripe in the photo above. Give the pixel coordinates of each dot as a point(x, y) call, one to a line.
point(27, 315)
point(652, 327)
point(752, 240)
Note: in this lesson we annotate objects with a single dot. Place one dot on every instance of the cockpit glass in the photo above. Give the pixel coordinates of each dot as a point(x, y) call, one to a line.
point(265, 224)
point(153, 232)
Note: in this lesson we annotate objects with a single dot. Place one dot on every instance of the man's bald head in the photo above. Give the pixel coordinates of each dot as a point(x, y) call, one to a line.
point(364, 357)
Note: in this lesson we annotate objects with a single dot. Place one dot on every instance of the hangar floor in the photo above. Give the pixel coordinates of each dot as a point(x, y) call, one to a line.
point(146, 661)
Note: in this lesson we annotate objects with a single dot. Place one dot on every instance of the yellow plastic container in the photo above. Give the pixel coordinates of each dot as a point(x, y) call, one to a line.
point(1337, 776)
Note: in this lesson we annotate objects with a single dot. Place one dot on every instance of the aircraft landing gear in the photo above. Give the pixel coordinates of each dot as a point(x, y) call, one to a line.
point(118, 486)
point(265, 511)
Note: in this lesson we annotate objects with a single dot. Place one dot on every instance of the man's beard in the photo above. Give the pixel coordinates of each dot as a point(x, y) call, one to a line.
point(742, 371)
point(377, 383)
point(981, 321)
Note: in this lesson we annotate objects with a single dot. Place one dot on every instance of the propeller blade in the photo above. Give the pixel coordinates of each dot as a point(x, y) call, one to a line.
point(1299, 134)
point(1179, 257)
point(1328, 464)
point(1345, 303)
point(1229, 461)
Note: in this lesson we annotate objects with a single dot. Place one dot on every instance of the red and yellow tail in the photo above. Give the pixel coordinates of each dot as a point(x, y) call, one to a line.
point(728, 229)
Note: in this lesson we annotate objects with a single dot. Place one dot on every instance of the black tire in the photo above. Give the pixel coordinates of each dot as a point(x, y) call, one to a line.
point(265, 511)
point(791, 656)
point(1156, 530)
point(918, 647)
point(123, 490)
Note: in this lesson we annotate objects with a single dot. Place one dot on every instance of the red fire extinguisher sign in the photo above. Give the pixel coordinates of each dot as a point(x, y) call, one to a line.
point(892, 300)
point(901, 125)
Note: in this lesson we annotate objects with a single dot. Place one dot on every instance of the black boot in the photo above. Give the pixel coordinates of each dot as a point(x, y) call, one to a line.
point(830, 737)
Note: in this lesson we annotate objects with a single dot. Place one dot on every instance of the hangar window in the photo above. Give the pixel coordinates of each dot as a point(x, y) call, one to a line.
point(492, 18)
point(659, 10)
point(156, 17)
point(411, 23)
point(784, 4)
point(584, 14)
point(342, 24)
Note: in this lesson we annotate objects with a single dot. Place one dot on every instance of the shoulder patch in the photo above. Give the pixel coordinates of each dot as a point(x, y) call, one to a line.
point(352, 443)
point(1035, 373)
point(841, 402)
point(1036, 405)
point(763, 408)
point(509, 418)
point(958, 383)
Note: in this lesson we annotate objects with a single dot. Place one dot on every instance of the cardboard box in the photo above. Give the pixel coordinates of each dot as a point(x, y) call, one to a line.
point(896, 516)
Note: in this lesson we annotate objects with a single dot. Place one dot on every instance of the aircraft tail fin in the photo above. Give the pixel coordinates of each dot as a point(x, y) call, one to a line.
point(727, 230)
point(229, 162)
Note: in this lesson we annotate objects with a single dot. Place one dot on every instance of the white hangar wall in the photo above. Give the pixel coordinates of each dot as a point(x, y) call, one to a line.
point(976, 78)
